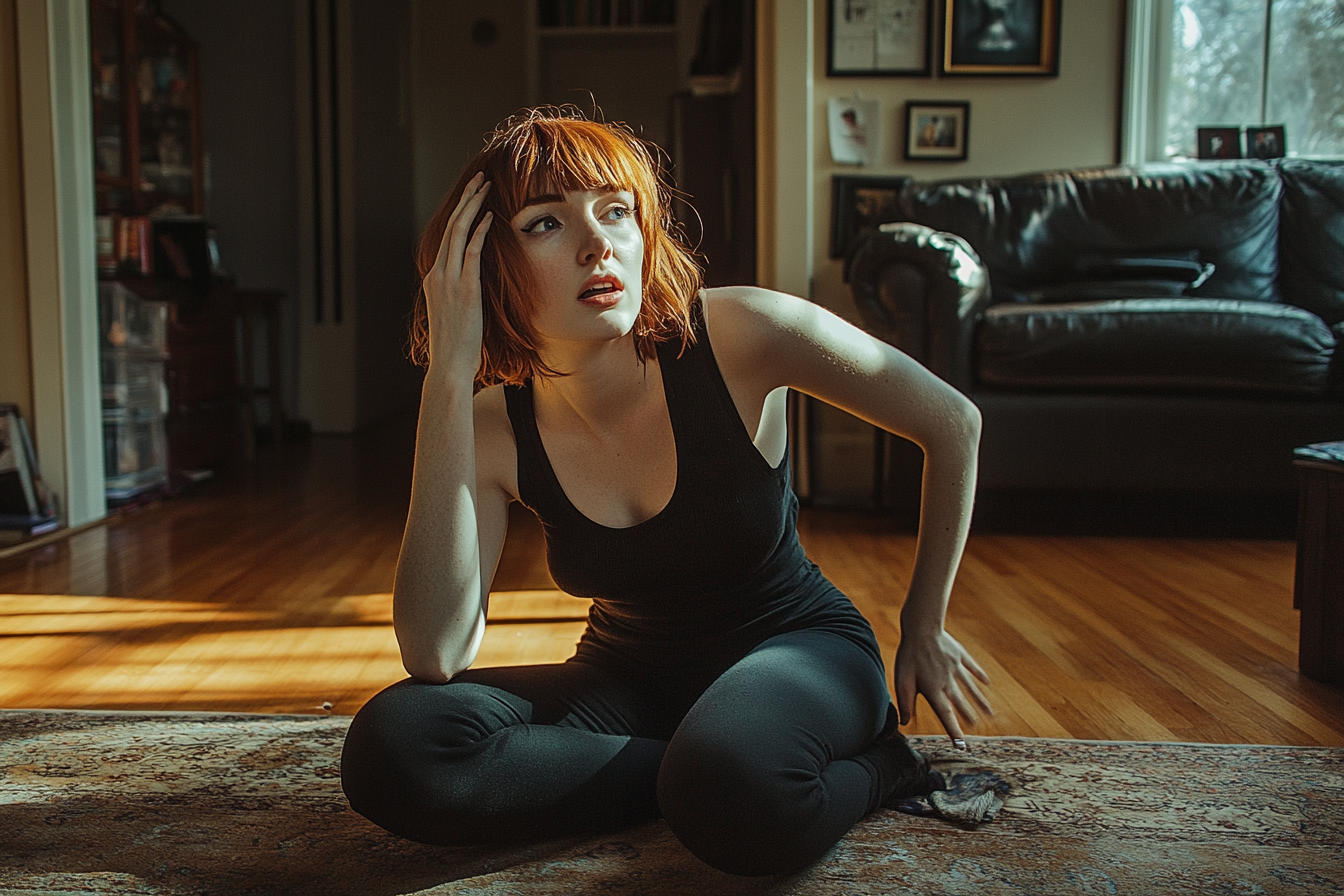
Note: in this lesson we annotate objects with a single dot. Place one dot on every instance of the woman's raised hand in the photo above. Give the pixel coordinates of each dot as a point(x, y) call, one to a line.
point(453, 286)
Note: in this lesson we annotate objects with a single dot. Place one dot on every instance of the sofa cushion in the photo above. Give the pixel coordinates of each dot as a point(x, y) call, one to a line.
point(1179, 267)
point(1092, 290)
point(1107, 276)
point(1171, 345)
point(1311, 237)
point(1030, 229)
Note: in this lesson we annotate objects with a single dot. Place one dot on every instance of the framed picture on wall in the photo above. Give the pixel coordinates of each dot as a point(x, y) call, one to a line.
point(1001, 37)
point(860, 202)
point(936, 130)
point(879, 37)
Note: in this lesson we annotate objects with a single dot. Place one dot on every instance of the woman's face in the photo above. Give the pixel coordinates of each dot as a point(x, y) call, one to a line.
point(587, 256)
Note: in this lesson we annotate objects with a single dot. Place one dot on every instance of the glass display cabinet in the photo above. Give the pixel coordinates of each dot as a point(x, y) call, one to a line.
point(146, 111)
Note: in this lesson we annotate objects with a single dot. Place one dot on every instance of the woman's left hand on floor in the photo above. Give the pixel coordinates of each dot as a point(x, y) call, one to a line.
point(937, 666)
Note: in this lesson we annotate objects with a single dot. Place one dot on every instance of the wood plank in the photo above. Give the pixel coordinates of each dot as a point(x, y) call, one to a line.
point(270, 591)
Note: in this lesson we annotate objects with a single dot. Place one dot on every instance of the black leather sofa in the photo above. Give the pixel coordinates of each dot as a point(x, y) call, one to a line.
point(1164, 327)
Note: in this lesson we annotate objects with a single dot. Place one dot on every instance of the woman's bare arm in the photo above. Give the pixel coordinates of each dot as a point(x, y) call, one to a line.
point(764, 340)
point(458, 514)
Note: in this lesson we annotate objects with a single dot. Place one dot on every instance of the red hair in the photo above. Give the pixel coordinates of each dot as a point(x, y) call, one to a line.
point(547, 150)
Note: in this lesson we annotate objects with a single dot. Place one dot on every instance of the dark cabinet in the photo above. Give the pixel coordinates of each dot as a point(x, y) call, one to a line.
point(146, 111)
point(149, 183)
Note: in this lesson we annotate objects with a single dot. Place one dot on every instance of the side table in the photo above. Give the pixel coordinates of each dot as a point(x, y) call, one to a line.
point(1318, 583)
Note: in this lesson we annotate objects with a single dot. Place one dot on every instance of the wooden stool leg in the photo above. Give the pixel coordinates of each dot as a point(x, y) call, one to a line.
point(273, 359)
point(249, 385)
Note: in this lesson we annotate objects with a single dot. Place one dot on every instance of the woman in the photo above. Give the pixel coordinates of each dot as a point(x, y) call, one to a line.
point(573, 364)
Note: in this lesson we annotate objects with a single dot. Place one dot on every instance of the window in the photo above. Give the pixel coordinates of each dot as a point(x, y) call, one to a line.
point(1196, 63)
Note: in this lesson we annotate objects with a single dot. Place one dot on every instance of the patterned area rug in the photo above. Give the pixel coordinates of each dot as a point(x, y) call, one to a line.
point(221, 804)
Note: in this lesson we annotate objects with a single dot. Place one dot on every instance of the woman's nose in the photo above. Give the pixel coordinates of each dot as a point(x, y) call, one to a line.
point(594, 244)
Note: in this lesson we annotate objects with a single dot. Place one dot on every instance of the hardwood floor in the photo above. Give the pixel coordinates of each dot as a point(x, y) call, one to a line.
point(268, 591)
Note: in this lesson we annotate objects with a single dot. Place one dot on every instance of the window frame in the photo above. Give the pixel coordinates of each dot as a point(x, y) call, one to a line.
point(1143, 105)
point(1147, 70)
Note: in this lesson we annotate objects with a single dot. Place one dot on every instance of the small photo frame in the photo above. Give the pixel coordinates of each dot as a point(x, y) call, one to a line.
point(852, 127)
point(1218, 143)
point(879, 37)
point(1268, 142)
point(936, 131)
point(859, 203)
point(1001, 37)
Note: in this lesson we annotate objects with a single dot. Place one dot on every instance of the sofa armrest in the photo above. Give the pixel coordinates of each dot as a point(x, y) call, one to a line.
point(921, 290)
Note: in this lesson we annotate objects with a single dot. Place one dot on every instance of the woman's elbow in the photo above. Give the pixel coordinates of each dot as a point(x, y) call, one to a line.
point(429, 669)
point(435, 666)
point(973, 421)
point(960, 424)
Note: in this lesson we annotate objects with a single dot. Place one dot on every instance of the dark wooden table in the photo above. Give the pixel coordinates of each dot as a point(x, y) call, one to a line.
point(1318, 585)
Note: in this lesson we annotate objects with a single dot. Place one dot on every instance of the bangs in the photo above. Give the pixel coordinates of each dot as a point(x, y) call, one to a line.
point(553, 156)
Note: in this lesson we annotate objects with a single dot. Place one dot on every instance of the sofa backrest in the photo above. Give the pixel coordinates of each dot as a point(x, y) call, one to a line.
point(1311, 237)
point(1030, 230)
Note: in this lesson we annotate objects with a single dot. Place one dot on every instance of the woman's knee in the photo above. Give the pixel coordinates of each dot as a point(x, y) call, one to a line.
point(408, 735)
point(732, 811)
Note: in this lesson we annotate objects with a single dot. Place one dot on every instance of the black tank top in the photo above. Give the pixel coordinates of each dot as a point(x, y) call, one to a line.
point(719, 569)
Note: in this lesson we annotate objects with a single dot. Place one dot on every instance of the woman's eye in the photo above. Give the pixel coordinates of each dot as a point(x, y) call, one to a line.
point(542, 225)
point(620, 213)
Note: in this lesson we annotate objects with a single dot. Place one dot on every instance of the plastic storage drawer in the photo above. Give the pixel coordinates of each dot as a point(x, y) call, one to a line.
point(132, 384)
point(135, 453)
point(128, 323)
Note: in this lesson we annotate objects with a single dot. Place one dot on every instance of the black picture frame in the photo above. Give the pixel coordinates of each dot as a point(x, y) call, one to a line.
point(1218, 143)
point(1000, 37)
point(852, 47)
point(1267, 142)
point(860, 202)
point(937, 130)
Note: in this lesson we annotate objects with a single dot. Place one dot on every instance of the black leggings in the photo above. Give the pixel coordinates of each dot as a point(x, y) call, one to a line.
point(760, 774)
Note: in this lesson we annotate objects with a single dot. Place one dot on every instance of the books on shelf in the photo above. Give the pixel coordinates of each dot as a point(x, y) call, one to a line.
point(125, 244)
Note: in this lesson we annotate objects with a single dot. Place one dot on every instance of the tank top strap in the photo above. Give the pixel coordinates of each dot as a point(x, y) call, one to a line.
point(705, 419)
point(538, 487)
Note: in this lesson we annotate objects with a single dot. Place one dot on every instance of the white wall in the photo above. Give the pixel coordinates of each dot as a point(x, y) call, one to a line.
point(454, 103)
point(338, 376)
point(247, 122)
point(385, 222)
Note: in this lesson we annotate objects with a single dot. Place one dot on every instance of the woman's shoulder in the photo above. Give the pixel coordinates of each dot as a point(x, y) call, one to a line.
point(737, 295)
point(748, 329)
point(490, 408)
point(751, 315)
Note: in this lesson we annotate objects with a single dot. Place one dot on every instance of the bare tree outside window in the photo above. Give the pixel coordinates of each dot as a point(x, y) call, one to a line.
point(1223, 74)
point(1306, 75)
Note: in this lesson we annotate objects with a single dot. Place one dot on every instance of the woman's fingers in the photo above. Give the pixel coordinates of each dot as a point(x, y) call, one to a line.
point(968, 683)
point(951, 725)
point(948, 677)
point(471, 260)
point(452, 287)
point(976, 669)
point(456, 233)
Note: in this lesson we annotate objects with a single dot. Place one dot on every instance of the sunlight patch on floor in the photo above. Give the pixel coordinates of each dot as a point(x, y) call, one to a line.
point(118, 652)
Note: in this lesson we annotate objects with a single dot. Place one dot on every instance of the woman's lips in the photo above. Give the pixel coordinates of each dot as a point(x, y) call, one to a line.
point(602, 292)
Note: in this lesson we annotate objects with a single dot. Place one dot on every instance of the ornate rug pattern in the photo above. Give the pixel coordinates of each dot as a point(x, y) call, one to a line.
point(188, 804)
